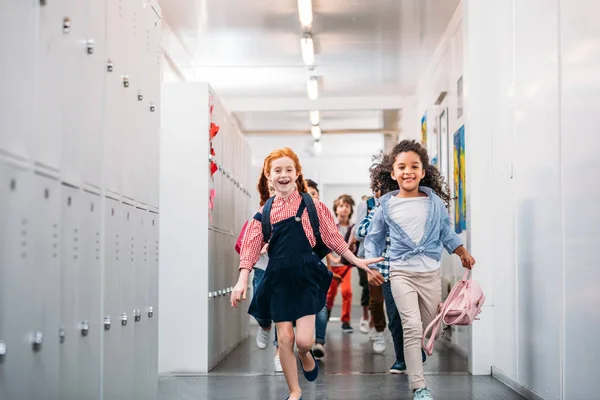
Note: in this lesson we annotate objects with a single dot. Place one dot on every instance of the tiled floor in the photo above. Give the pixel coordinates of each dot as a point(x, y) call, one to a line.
point(349, 371)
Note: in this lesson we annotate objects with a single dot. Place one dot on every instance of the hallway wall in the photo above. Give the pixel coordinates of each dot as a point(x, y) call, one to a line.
point(530, 100)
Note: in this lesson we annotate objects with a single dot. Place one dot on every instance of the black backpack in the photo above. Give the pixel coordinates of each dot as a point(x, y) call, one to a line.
point(320, 249)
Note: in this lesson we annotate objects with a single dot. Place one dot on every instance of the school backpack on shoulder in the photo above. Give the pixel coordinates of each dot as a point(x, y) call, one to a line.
point(462, 307)
point(320, 249)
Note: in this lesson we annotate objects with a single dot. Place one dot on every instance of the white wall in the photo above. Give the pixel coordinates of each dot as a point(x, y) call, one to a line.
point(530, 98)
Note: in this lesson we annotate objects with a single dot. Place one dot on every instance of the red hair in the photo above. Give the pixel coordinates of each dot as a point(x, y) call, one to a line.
point(263, 185)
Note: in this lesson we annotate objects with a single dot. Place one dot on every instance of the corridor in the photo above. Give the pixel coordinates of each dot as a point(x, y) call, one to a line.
point(350, 371)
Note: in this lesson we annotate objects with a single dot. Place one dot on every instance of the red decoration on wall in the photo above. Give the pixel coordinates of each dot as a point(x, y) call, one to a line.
point(213, 168)
point(214, 129)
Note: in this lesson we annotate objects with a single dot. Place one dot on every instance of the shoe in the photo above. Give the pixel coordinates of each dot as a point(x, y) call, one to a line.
point(319, 351)
point(398, 368)
point(347, 328)
point(277, 364)
point(422, 394)
point(311, 376)
point(372, 334)
point(364, 326)
point(262, 338)
point(379, 343)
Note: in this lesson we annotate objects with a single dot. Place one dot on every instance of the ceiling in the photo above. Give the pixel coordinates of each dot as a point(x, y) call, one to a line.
point(368, 57)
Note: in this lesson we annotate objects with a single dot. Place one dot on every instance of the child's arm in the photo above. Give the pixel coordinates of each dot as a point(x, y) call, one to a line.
point(252, 244)
point(363, 227)
point(375, 238)
point(452, 242)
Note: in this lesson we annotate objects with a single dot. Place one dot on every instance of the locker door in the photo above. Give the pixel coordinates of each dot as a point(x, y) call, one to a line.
point(152, 109)
point(46, 205)
point(141, 321)
point(128, 301)
point(17, 323)
point(113, 259)
point(116, 79)
point(69, 323)
point(51, 42)
point(89, 297)
point(73, 92)
point(93, 87)
point(152, 311)
point(17, 94)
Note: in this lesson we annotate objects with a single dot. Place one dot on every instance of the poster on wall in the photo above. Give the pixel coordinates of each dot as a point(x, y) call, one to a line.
point(460, 196)
point(424, 130)
point(459, 95)
point(433, 144)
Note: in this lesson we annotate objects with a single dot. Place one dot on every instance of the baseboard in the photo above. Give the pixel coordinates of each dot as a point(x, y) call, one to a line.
point(516, 386)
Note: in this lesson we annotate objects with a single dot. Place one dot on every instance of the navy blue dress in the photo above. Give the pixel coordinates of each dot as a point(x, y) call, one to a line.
point(296, 282)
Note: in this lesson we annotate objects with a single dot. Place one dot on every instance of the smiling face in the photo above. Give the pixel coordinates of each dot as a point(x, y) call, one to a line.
point(408, 171)
point(282, 176)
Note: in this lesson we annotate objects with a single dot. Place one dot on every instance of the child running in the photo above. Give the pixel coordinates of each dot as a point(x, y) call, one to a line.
point(418, 225)
point(296, 281)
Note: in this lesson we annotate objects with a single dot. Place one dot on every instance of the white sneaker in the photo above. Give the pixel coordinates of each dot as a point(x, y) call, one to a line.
point(372, 334)
point(262, 338)
point(364, 326)
point(277, 362)
point(379, 343)
point(318, 351)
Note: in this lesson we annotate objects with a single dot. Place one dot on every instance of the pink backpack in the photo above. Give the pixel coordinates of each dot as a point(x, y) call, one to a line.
point(462, 307)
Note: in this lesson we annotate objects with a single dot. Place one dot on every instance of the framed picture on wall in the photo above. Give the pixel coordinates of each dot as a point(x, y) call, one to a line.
point(424, 130)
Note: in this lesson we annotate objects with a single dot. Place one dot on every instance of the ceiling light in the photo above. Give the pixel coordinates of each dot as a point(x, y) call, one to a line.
point(305, 12)
point(318, 147)
point(315, 117)
point(312, 87)
point(308, 50)
point(315, 131)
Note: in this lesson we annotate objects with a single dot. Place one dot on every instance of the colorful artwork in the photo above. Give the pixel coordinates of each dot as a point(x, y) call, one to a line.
point(424, 130)
point(460, 209)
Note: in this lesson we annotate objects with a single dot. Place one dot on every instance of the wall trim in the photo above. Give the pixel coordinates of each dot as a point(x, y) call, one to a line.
point(516, 386)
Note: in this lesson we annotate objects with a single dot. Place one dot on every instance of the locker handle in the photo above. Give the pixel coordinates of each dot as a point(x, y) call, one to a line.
point(62, 335)
point(37, 341)
point(150, 312)
point(137, 315)
point(124, 319)
point(2, 351)
point(85, 328)
point(107, 323)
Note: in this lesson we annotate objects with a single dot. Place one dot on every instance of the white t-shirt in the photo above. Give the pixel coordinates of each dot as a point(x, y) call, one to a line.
point(343, 230)
point(411, 215)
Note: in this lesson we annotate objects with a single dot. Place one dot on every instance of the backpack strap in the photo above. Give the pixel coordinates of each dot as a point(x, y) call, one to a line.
point(265, 220)
point(313, 216)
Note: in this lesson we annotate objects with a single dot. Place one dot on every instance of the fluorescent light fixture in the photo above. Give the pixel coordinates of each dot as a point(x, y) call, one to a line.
point(312, 87)
point(318, 147)
point(315, 118)
point(308, 50)
point(305, 14)
point(315, 131)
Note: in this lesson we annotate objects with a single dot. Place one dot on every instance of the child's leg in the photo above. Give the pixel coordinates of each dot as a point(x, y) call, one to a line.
point(321, 326)
point(407, 300)
point(346, 296)
point(285, 333)
point(430, 297)
point(333, 289)
point(305, 338)
point(376, 308)
point(395, 325)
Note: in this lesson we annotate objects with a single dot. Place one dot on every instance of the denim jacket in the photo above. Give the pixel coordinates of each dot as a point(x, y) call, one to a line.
point(438, 232)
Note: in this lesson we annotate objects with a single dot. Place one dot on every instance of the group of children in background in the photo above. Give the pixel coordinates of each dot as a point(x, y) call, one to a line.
point(396, 246)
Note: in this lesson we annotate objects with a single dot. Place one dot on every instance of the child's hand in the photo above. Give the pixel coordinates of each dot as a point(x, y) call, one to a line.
point(364, 264)
point(465, 257)
point(376, 279)
point(239, 293)
point(337, 277)
point(265, 249)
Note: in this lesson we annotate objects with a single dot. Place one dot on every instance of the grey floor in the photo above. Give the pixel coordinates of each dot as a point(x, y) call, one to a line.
point(349, 371)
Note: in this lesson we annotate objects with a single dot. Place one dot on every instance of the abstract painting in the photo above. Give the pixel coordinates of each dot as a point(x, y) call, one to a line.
point(460, 209)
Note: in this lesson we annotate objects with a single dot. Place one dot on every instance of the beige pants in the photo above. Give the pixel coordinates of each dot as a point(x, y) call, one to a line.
point(417, 296)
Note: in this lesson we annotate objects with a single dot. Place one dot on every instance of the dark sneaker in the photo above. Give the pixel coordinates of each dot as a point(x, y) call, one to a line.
point(346, 328)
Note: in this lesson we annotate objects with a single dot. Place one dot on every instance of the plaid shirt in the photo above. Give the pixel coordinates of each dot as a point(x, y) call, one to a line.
point(361, 234)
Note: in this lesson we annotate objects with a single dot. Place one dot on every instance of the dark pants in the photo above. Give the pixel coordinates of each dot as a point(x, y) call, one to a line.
point(258, 275)
point(376, 307)
point(363, 280)
point(395, 323)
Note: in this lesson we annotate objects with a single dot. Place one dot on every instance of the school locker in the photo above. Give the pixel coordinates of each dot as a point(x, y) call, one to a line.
point(151, 309)
point(45, 203)
point(93, 87)
point(77, 46)
point(127, 295)
point(18, 327)
point(141, 321)
point(46, 150)
point(114, 248)
point(89, 313)
point(116, 86)
point(17, 94)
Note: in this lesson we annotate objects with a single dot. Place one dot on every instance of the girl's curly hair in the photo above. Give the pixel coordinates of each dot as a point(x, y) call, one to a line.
point(381, 179)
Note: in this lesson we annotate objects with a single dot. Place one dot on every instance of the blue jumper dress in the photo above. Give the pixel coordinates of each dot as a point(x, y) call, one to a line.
point(296, 282)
